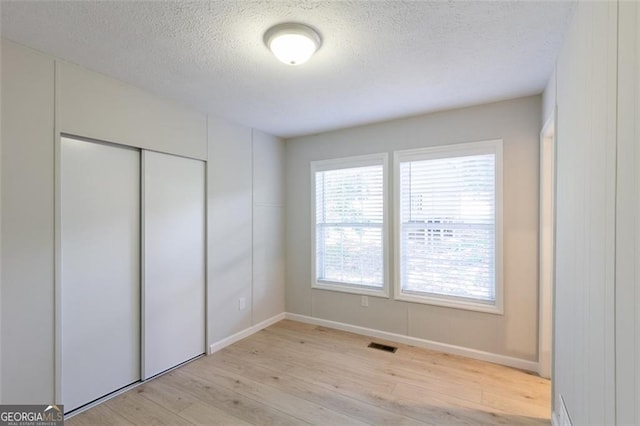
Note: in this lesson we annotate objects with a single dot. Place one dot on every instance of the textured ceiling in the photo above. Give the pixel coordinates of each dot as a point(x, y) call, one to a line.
point(379, 59)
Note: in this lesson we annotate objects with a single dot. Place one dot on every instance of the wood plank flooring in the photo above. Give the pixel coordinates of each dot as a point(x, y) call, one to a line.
point(293, 373)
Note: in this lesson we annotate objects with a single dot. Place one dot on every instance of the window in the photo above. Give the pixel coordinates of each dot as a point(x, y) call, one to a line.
point(349, 236)
point(448, 238)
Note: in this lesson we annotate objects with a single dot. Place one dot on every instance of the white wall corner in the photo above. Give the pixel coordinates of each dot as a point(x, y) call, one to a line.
point(549, 98)
point(221, 344)
point(508, 361)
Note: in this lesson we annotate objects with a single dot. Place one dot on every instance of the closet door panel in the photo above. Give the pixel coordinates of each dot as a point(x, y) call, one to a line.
point(100, 269)
point(174, 259)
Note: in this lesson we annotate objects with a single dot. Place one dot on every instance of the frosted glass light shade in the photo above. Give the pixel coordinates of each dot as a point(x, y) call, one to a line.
point(292, 43)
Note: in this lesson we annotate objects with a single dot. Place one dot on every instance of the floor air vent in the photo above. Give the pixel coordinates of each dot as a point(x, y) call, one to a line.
point(382, 347)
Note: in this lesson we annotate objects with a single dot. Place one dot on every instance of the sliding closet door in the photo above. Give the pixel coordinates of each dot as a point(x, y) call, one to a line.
point(100, 269)
point(174, 259)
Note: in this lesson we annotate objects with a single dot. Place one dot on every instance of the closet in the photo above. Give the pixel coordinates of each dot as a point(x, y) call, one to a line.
point(132, 260)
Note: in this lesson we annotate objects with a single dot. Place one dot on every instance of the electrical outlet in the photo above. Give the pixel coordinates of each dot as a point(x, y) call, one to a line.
point(364, 301)
point(242, 303)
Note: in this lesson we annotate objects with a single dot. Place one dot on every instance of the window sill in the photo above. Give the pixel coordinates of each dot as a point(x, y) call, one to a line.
point(467, 305)
point(353, 289)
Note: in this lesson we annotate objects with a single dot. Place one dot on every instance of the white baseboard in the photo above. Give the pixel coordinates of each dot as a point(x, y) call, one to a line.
point(522, 364)
point(215, 347)
point(560, 415)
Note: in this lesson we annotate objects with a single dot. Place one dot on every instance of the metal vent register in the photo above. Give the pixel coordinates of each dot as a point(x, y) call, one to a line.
point(382, 347)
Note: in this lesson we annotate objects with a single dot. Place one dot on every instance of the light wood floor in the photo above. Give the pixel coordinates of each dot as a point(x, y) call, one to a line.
point(294, 373)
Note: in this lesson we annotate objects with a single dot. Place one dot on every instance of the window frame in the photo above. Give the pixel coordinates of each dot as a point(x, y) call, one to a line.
point(347, 163)
point(446, 151)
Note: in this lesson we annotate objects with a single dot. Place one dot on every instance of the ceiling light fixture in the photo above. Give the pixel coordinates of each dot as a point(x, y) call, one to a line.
point(292, 43)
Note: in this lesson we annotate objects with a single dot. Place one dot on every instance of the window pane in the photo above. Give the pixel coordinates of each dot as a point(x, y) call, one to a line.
point(349, 195)
point(448, 226)
point(349, 254)
point(349, 217)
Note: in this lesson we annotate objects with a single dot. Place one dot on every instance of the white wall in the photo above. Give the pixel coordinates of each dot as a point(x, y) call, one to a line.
point(1, 138)
point(246, 228)
point(229, 188)
point(27, 255)
point(245, 246)
point(268, 226)
point(549, 99)
point(628, 217)
point(95, 106)
point(513, 334)
point(596, 353)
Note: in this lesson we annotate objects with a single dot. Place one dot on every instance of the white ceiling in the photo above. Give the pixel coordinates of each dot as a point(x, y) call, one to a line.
point(379, 59)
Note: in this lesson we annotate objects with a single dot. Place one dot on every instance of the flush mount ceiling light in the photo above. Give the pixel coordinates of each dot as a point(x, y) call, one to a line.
point(292, 43)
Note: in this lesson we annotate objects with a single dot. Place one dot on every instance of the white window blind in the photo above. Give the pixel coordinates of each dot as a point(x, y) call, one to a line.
point(349, 218)
point(448, 225)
